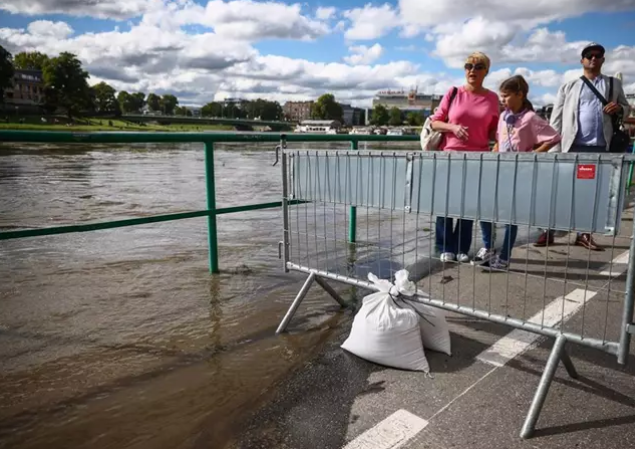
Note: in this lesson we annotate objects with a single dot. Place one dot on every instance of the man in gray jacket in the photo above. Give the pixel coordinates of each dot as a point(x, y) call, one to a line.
point(585, 124)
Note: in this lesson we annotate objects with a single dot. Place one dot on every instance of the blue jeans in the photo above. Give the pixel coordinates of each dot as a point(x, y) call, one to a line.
point(511, 231)
point(451, 239)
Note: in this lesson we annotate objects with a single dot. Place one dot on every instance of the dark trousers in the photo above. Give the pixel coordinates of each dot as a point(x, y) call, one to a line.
point(453, 239)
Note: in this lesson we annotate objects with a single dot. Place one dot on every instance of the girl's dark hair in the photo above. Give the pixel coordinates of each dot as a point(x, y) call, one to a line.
point(518, 85)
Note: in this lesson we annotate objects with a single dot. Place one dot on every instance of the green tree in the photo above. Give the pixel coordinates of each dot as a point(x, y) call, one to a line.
point(168, 103)
point(261, 109)
point(154, 102)
point(414, 119)
point(125, 101)
point(6, 71)
point(212, 109)
point(326, 108)
point(230, 110)
point(183, 111)
point(395, 117)
point(380, 116)
point(66, 83)
point(105, 100)
point(33, 60)
point(138, 102)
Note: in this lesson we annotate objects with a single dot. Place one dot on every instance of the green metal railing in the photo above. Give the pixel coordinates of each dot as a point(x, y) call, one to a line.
point(208, 139)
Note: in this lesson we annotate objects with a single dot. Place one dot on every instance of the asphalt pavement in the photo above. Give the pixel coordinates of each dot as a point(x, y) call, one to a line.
point(479, 396)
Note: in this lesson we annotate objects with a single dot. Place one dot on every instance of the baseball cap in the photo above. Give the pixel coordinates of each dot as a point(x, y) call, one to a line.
point(593, 46)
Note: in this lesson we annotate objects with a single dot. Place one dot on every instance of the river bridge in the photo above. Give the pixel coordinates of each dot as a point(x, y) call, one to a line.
point(238, 123)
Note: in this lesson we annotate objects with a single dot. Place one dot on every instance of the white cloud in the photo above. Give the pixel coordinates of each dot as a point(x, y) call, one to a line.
point(250, 20)
point(371, 22)
point(325, 13)
point(53, 30)
point(364, 55)
point(456, 42)
point(429, 13)
point(105, 9)
point(157, 54)
point(544, 99)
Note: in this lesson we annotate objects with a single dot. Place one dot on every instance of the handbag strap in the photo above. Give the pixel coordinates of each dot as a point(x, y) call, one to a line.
point(452, 97)
point(596, 92)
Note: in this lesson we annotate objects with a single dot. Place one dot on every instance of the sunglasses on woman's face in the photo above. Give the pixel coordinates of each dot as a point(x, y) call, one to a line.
point(478, 66)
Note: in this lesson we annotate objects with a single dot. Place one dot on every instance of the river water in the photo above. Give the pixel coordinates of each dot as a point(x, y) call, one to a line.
point(121, 338)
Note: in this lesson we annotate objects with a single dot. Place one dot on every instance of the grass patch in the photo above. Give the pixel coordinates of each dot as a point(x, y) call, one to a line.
point(103, 124)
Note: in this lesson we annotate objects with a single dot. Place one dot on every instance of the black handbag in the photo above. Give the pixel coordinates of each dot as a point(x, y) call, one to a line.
point(620, 140)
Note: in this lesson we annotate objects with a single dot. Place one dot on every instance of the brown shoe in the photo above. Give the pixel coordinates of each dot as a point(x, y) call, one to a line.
point(586, 240)
point(546, 238)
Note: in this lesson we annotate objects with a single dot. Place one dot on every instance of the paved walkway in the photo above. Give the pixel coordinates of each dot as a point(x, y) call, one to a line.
point(479, 397)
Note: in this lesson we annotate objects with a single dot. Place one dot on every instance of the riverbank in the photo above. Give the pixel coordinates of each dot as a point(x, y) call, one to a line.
point(102, 124)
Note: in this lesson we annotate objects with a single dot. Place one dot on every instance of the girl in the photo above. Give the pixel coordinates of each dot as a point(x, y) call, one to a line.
point(467, 116)
point(519, 129)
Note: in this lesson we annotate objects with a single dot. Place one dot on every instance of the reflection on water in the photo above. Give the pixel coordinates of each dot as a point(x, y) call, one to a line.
point(121, 338)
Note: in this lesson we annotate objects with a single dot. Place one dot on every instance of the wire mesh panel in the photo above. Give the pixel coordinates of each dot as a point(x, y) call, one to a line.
point(551, 191)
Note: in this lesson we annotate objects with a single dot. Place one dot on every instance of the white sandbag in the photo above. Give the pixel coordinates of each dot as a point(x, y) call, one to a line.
point(435, 332)
point(386, 333)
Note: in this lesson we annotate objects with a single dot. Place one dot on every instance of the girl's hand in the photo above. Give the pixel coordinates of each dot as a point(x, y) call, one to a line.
point(460, 132)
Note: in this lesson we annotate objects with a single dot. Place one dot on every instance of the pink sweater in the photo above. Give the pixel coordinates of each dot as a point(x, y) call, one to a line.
point(479, 113)
point(528, 131)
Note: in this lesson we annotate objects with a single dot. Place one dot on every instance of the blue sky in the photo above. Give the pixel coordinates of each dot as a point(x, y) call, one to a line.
point(209, 49)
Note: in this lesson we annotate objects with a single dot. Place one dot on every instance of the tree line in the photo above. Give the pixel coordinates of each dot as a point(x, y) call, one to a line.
point(381, 116)
point(66, 87)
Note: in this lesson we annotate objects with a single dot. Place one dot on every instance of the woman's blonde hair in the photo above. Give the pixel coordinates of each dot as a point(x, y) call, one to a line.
point(477, 57)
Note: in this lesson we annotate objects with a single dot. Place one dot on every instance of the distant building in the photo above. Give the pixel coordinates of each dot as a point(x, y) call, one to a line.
point(297, 111)
point(631, 100)
point(27, 91)
point(353, 116)
point(411, 101)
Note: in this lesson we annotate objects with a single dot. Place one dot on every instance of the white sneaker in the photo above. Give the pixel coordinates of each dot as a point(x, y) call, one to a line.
point(483, 255)
point(448, 257)
point(496, 264)
point(463, 258)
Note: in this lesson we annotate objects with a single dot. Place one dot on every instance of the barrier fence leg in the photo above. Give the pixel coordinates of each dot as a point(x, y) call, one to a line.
point(629, 307)
point(568, 364)
point(352, 224)
point(296, 303)
point(543, 387)
point(322, 283)
point(212, 235)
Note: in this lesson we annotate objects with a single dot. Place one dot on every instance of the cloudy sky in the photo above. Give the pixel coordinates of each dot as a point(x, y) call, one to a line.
point(204, 50)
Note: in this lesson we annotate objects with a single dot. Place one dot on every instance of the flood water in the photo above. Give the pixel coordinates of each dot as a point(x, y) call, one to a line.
point(121, 338)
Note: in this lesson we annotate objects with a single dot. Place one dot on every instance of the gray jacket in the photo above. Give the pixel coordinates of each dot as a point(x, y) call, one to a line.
point(564, 117)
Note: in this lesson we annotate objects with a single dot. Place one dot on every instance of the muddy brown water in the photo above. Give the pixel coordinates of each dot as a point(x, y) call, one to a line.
point(121, 338)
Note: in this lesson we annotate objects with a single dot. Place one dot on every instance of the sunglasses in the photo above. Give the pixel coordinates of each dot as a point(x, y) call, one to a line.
point(478, 66)
point(590, 56)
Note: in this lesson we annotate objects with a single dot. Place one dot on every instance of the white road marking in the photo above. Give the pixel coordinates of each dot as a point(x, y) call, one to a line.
point(617, 267)
point(392, 433)
point(519, 341)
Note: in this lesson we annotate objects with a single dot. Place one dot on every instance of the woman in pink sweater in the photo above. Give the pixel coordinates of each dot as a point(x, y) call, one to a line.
point(468, 116)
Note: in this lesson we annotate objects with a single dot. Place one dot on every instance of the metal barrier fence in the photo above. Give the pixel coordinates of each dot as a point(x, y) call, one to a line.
point(558, 291)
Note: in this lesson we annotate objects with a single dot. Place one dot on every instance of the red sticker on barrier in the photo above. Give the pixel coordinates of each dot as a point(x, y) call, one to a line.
point(586, 171)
